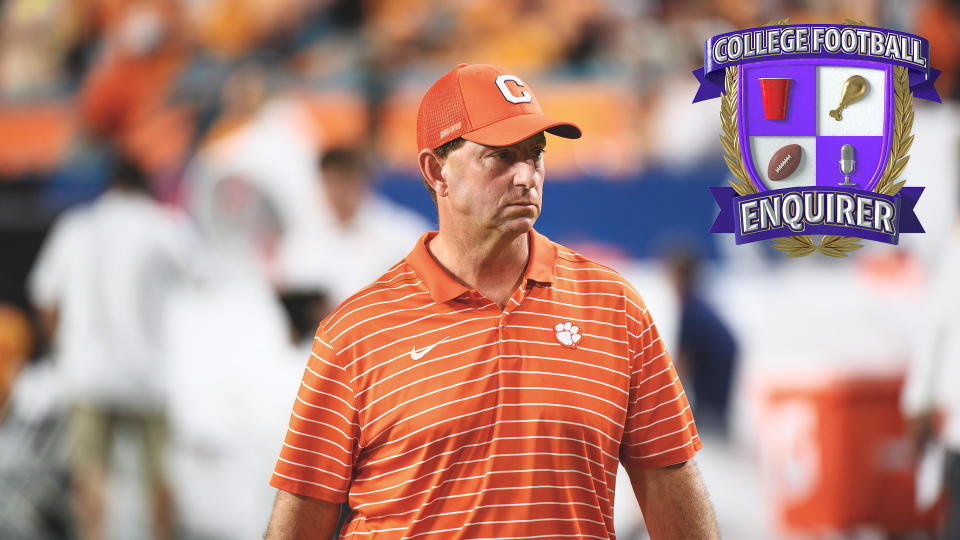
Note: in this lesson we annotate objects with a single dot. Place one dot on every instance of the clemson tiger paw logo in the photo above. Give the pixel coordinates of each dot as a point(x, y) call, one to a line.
point(568, 334)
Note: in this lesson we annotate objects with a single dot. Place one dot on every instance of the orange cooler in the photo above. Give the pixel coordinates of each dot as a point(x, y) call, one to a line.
point(837, 456)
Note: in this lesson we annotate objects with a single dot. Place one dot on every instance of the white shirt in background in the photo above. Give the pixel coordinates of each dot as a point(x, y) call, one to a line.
point(341, 260)
point(933, 380)
point(107, 269)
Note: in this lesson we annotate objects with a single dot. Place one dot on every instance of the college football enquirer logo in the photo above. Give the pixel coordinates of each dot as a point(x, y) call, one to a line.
point(816, 129)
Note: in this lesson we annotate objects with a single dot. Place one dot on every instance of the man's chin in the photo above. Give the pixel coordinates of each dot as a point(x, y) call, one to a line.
point(519, 226)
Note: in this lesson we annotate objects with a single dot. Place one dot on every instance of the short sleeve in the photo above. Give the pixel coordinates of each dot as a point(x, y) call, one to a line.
point(319, 450)
point(659, 430)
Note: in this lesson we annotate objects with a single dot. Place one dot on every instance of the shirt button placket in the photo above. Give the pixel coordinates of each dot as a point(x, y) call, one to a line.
point(511, 304)
point(484, 303)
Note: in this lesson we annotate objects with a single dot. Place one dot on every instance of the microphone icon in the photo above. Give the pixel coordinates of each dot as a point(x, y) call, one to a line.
point(847, 164)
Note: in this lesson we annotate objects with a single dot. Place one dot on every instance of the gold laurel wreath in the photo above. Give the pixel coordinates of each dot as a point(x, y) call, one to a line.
point(901, 140)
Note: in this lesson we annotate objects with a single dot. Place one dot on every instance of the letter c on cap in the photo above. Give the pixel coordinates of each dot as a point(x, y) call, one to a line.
point(525, 97)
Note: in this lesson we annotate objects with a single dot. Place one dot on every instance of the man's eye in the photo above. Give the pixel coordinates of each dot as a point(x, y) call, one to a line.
point(538, 153)
point(502, 155)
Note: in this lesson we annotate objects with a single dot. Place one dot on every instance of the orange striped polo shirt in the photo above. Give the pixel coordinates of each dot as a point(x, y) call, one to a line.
point(438, 415)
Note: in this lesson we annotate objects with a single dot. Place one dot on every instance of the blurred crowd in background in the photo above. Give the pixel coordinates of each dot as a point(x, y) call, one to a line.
point(196, 183)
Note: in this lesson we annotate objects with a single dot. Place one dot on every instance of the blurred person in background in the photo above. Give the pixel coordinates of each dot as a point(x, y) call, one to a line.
point(135, 57)
point(100, 284)
point(707, 352)
point(357, 235)
point(262, 137)
point(931, 385)
point(931, 399)
point(236, 356)
point(132, 78)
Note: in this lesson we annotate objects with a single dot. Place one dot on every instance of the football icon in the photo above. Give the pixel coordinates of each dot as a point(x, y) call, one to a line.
point(784, 162)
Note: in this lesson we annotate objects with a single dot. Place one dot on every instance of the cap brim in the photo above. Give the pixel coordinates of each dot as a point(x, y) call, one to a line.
point(517, 128)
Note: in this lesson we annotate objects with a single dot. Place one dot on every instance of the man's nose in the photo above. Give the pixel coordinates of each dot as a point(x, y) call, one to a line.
point(526, 174)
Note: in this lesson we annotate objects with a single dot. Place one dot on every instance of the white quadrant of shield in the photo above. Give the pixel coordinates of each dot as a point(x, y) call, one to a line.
point(762, 148)
point(863, 117)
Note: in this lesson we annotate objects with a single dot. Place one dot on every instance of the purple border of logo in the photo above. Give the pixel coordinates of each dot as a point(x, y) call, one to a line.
point(711, 75)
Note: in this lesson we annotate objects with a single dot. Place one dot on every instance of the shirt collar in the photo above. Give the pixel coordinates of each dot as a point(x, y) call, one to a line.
point(443, 287)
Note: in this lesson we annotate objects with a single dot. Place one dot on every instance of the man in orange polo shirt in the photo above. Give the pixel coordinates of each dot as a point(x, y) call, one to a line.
point(488, 385)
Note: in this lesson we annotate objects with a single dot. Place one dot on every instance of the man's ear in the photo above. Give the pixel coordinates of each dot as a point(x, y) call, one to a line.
point(431, 166)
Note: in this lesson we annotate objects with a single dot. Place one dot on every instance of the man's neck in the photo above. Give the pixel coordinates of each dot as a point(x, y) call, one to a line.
point(492, 264)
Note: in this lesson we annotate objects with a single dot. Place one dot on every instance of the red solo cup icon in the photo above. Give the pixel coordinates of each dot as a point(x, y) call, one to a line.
point(775, 91)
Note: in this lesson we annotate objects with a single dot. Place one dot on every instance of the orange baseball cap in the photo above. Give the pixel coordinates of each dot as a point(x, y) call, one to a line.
point(486, 105)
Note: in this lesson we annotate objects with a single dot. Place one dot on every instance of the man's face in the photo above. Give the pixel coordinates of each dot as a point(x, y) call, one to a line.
point(495, 187)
